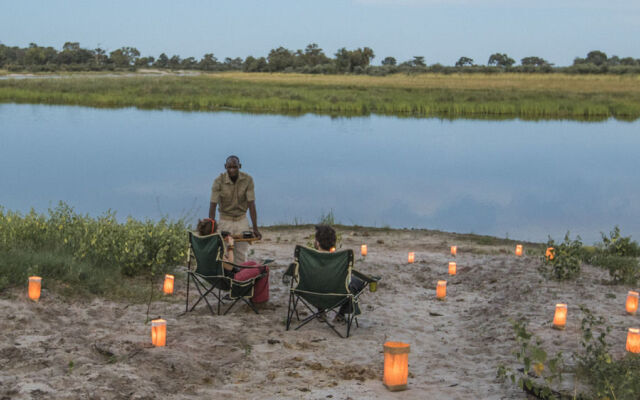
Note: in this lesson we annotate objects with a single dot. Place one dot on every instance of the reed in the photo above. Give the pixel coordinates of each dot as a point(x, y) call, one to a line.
point(493, 96)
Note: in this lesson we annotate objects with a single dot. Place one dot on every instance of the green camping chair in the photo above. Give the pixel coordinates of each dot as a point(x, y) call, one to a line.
point(320, 281)
point(210, 276)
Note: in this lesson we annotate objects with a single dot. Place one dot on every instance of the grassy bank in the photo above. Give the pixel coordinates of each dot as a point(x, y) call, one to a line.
point(499, 96)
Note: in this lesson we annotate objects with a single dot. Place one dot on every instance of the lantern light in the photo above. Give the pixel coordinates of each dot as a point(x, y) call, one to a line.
point(332, 250)
point(411, 258)
point(363, 250)
point(518, 250)
point(633, 340)
point(159, 332)
point(632, 302)
point(35, 284)
point(560, 317)
point(441, 290)
point(549, 254)
point(454, 250)
point(452, 267)
point(396, 365)
point(168, 284)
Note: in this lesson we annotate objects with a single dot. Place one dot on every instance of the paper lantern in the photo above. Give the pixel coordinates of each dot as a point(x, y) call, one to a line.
point(441, 290)
point(549, 253)
point(633, 340)
point(363, 250)
point(452, 267)
point(518, 250)
point(159, 332)
point(454, 250)
point(332, 250)
point(560, 317)
point(35, 283)
point(632, 302)
point(396, 365)
point(411, 258)
point(168, 284)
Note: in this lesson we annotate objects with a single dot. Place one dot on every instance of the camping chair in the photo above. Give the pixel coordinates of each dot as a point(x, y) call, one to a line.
point(209, 275)
point(320, 281)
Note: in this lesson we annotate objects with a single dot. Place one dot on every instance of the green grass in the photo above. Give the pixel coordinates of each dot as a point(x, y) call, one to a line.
point(526, 96)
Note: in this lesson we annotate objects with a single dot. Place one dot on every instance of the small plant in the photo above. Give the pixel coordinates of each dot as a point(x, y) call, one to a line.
point(538, 371)
point(566, 261)
point(618, 255)
point(618, 245)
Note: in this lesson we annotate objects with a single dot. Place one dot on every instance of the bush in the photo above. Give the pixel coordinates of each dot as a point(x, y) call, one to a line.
point(567, 259)
point(618, 245)
point(618, 255)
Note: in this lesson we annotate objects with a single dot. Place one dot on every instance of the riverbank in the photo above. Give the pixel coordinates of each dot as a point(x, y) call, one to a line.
point(482, 96)
point(67, 347)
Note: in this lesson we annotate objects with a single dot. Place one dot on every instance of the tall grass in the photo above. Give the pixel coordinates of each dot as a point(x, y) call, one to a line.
point(526, 96)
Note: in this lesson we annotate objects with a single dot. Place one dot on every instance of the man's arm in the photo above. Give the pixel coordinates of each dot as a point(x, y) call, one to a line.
point(254, 219)
point(212, 210)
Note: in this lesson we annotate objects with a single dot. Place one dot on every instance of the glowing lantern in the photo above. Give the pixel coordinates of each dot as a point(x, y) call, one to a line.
point(168, 284)
point(412, 257)
point(159, 332)
point(454, 250)
point(363, 250)
point(560, 317)
point(633, 340)
point(332, 250)
point(396, 365)
point(441, 290)
point(34, 287)
point(452, 267)
point(549, 253)
point(632, 302)
point(518, 250)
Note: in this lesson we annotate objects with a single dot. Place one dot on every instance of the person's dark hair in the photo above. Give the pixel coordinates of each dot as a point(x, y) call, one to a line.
point(232, 157)
point(206, 226)
point(326, 237)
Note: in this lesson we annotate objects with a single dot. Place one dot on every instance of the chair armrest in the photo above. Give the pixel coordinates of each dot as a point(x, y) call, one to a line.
point(364, 277)
point(290, 270)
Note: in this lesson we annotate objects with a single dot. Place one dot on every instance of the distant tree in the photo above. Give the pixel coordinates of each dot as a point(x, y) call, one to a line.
point(144, 62)
point(233, 63)
point(628, 61)
point(313, 55)
point(596, 57)
point(208, 62)
point(162, 61)
point(72, 53)
point(613, 61)
point(174, 62)
point(252, 64)
point(501, 60)
point(279, 59)
point(464, 61)
point(535, 61)
point(100, 57)
point(189, 63)
point(418, 61)
point(124, 57)
point(389, 61)
point(348, 60)
point(36, 55)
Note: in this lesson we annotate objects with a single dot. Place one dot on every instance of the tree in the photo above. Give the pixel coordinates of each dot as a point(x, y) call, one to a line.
point(252, 64)
point(348, 60)
point(596, 57)
point(233, 63)
point(162, 61)
point(174, 62)
point(464, 61)
point(535, 61)
point(313, 55)
point(280, 59)
point(124, 56)
point(418, 61)
point(208, 62)
point(144, 62)
point(628, 61)
point(389, 61)
point(501, 60)
point(72, 53)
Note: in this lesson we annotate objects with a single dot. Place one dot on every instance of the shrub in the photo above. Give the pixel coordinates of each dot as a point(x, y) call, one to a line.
point(566, 261)
point(618, 245)
point(618, 255)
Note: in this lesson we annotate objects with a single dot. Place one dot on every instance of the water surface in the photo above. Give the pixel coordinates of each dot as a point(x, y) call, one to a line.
point(525, 180)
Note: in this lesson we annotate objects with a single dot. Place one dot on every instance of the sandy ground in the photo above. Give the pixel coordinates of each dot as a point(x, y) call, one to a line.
point(101, 350)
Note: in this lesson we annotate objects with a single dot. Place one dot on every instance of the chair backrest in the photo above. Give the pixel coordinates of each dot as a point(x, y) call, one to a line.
point(208, 251)
point(328, 274)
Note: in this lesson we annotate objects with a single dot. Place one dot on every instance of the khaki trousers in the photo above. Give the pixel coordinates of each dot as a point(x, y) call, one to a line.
point(236, 226)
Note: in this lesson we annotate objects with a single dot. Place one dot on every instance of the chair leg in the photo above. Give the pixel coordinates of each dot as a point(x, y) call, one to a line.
point(290, 311)
point(186, 306)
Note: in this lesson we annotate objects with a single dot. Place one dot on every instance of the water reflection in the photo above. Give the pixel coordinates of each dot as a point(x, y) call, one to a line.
point(519, 178)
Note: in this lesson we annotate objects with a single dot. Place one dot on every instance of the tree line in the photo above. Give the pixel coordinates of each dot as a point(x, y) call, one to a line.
point(311, 60)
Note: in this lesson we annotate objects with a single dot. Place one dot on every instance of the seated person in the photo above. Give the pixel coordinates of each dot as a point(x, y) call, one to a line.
point(261, 289)
point(324, 242)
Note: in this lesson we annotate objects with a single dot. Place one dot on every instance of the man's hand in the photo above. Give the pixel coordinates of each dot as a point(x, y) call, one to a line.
point(257, 233)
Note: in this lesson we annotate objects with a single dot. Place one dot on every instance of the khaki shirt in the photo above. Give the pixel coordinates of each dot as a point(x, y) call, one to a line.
point(233, 198)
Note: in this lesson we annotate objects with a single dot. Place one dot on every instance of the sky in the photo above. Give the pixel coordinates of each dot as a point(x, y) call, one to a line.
point(440, 30)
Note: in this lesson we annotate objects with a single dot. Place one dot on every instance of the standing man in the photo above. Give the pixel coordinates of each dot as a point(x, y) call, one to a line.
point(233, 191)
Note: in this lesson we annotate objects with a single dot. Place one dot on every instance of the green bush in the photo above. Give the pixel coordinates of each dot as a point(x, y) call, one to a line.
point(67, 243)
point(618, 255)
point(567, 259)
point(618, 245)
